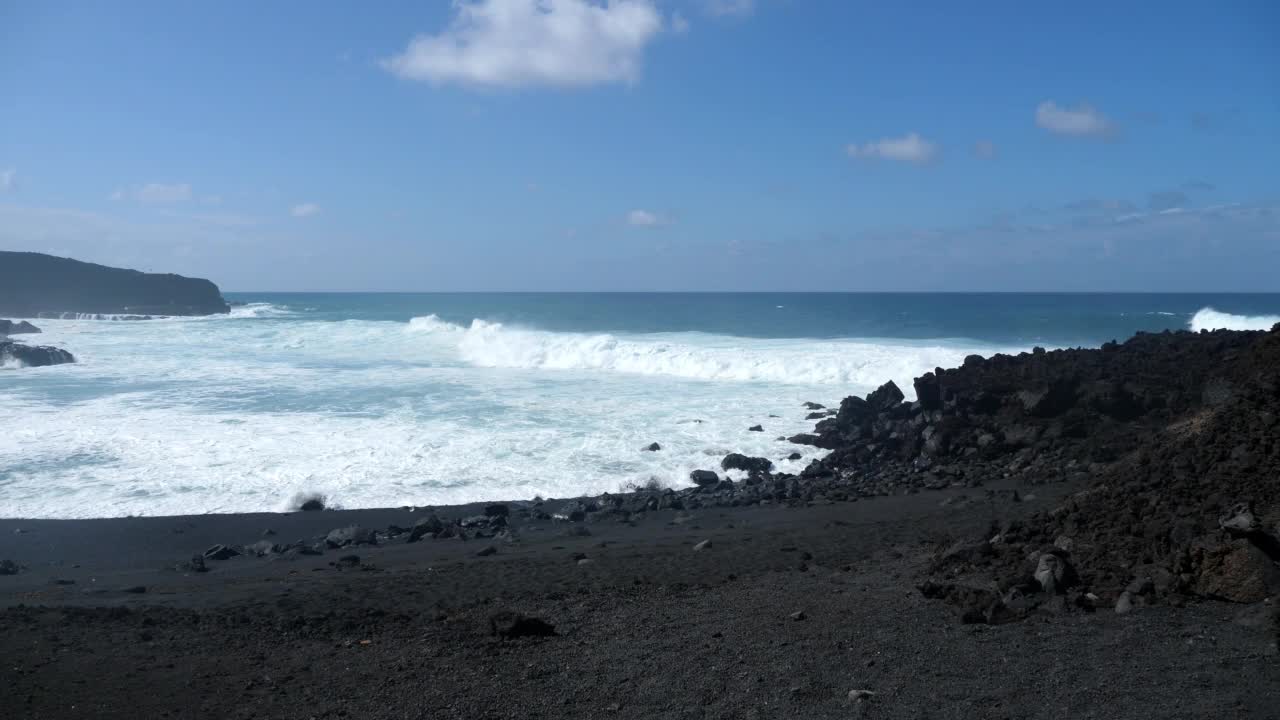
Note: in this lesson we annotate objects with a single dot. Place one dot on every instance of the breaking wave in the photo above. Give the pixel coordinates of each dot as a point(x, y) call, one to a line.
point(1210, 319)
point(700, 356)
point(259, 310)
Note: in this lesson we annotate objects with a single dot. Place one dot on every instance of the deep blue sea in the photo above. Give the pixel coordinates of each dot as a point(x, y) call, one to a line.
point(394, 399)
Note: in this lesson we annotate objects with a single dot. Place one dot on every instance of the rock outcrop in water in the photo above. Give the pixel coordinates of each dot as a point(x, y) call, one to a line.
point(32, 355)
point(17, 327)
point(33, 284)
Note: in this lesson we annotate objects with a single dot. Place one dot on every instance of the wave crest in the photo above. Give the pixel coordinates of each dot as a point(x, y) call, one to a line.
point(1209, 319)
point(258, 310)
point(861, 363)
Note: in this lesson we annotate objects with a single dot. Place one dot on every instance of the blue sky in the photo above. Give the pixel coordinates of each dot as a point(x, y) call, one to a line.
point(648, 145)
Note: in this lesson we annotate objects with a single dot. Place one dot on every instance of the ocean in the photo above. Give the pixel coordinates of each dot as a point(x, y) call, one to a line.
point(388, 399)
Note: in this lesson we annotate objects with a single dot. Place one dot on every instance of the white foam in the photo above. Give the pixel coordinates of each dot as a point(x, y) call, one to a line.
point(858, 363)
point(256, 310)
point(194, 417)
point(1210, 319)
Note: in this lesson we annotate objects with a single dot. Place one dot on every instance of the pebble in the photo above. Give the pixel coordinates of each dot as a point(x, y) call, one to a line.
point(705, 544)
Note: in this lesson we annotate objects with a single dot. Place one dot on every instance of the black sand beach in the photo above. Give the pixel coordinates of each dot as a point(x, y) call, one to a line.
point(647, 628)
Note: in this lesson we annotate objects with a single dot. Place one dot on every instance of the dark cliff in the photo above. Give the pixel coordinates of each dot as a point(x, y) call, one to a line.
point(32, 284)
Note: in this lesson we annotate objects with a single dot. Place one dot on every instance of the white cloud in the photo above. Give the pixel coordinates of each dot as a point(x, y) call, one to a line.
point(7, 179)
point(303, 210)
point(721, 8)
point(1081, 120)
point(522, 43)
point(909, 148)
point(679, 25)
point(645, 218)
point(155, 193)
point(984, 149)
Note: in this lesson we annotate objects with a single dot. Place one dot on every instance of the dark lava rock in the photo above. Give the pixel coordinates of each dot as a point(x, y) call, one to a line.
point(816, 415)
point(220, 552)
point(1171, 439)
point(33, 355)
point(804, 439)
point(885, 397)
point(34, 283)
point(195, 564)
point(704, 478)
point(755, 428)
point(431, 525)
point(794, 456)
point(497, 510)
point(263, 548)
point(135, 589)
point(9, 567)
point(814, 406)
point(653, 447)
point(347, 561)
point(312, 505)
point(351, 535)
point(577, 510)
point(753, 465)
point(510, 625)
point(11, 327)
point(487, 551)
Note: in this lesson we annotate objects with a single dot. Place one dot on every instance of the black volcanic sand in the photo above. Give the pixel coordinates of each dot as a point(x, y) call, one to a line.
point(649, 628)
point(1083, 534)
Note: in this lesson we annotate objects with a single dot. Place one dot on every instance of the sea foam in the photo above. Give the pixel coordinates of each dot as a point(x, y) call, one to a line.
point(1210, 319)
point(700, 356)
point(239, 413)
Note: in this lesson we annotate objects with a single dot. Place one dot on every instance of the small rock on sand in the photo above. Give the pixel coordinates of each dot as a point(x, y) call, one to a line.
point(508, 624)
point(220, 552)
point(705, 544)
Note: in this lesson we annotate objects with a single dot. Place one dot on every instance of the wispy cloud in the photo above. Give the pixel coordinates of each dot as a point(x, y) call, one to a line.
point(909, 148)
point(7, 179)
point(646, 218)
point(1083, 120)
point(155, 193)
point(526, 43)
point(303, 210)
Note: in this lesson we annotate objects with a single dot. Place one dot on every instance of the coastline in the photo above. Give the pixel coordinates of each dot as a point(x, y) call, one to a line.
point(1071, 565)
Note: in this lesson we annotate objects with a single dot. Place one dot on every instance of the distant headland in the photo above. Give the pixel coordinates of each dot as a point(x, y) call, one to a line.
point(35, 285)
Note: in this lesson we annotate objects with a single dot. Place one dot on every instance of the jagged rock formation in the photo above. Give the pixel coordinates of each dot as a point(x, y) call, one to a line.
point(32, 284)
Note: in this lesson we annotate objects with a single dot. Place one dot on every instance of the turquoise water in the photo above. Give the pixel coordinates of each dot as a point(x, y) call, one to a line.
point(390, 399)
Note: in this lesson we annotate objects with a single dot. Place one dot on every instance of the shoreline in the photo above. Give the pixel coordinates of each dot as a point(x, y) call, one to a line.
point(1036, 535)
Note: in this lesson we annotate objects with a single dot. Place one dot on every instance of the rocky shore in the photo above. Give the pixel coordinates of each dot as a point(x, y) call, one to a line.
point(20, 355)
point(1058, 533)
